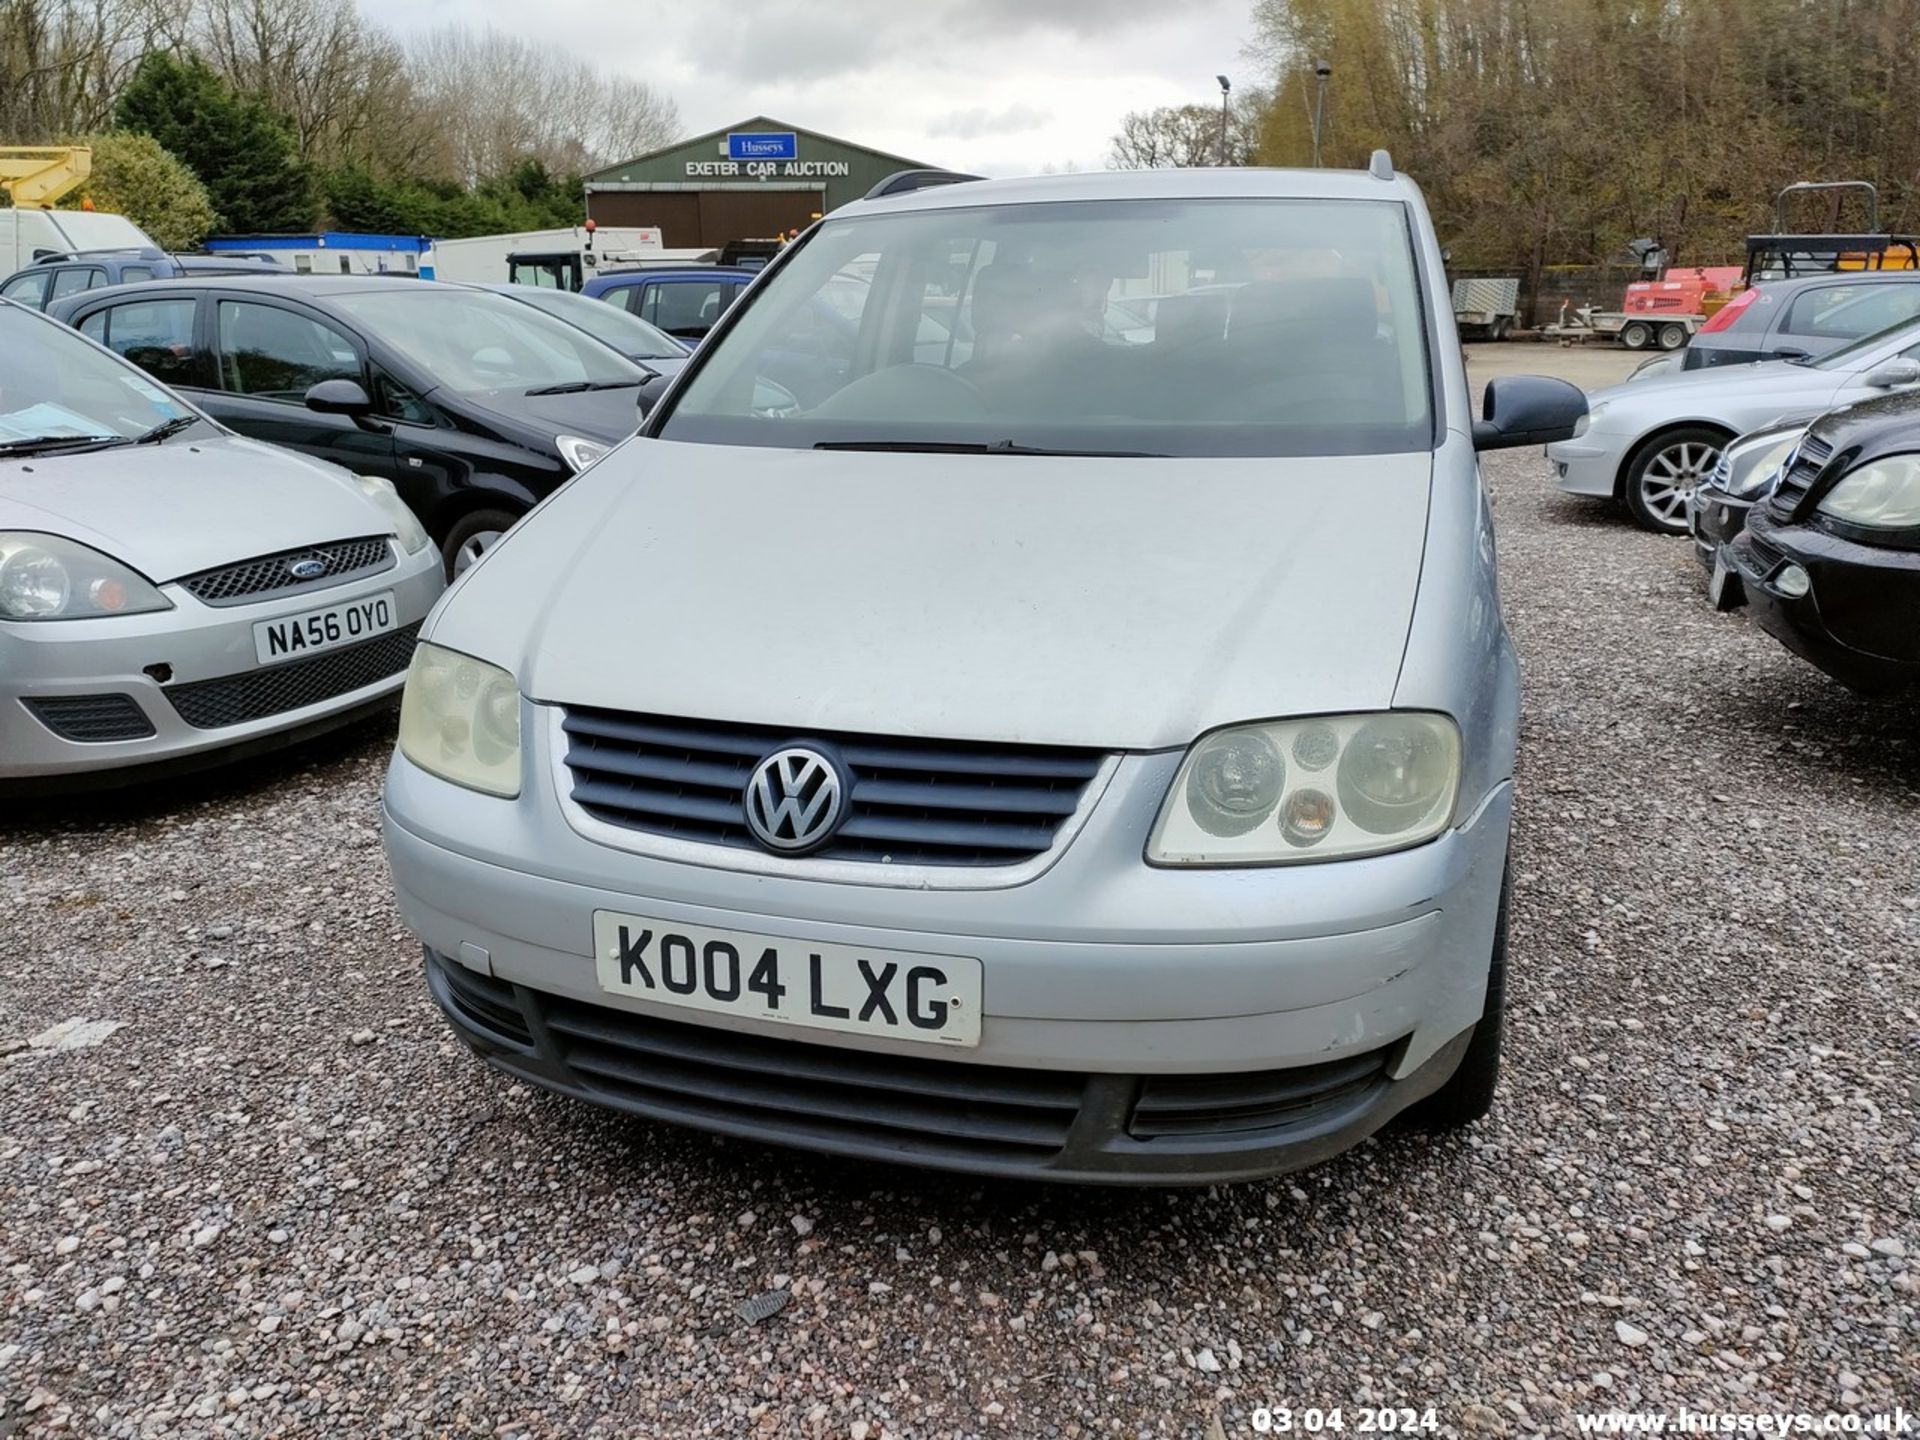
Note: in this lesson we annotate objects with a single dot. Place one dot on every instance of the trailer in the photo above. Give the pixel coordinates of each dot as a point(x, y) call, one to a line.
point(555, 258)
point(1666, 312)
point(1488, 309)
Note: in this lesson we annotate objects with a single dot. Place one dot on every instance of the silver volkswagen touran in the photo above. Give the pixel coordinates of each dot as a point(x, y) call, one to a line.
point(1033, 700)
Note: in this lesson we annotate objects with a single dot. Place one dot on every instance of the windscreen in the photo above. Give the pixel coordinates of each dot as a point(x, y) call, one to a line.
point(1136, 327)
point(1847, 356)
point(53, 385)
point(622, 329)
point(475, 343)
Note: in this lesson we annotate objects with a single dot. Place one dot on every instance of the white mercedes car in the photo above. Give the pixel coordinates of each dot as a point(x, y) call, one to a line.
point(1651, 442)
point(171, 594)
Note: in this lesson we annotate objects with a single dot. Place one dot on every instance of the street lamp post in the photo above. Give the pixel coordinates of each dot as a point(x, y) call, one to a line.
point(1321, 70)
point(1225, 86)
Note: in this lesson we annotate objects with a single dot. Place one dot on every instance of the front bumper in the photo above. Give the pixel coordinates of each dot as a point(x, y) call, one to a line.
point(169, 680)
point(1714, 517)
point(1855, 622)
point(1587, 466)
point(1190, 991)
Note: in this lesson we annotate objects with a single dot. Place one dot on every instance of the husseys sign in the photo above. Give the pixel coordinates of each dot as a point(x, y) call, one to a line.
point(765, 155)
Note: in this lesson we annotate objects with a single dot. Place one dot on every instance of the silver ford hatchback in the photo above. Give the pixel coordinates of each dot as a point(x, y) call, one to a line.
point(1033, 700)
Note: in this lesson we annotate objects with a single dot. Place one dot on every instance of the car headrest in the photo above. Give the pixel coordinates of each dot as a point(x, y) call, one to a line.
point(1003, 294)
point(1288, 312)
point(1182, 320)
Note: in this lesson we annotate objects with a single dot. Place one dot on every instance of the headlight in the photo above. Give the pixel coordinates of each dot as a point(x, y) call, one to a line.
point(407, 528)
point(460, 720)
point(1884, 495)
point(580, 452)
point(1324, 789)
point(45, 577)
point(1754, 469)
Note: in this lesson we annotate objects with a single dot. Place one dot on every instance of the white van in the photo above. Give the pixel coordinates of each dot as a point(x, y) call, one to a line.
point(26, 235)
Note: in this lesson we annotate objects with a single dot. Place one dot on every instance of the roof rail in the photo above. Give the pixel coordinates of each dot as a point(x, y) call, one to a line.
point(1381, 165)
point(903, 181)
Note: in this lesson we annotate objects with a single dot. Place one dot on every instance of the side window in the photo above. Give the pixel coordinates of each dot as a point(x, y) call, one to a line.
point(72, 279)
point(399, 403)
point(303, 264)
point(28, 289)
point(156, 335)
point(1814, 311)
point(94, 327)
point(277, 354)
point(686, 307)
point(131, 273)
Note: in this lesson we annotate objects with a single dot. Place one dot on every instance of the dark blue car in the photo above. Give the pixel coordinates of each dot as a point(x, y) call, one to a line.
point(54, 277)
point(686, 303)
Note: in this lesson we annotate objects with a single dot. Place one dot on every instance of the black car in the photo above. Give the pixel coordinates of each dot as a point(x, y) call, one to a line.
point(1803, 318)
point(1831, 559)
point(474, 406)
point(55, 277)
point(1717, 507)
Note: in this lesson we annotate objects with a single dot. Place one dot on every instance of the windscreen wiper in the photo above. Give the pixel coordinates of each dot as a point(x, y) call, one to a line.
point(49, 444)
point(978, 447)
point(166, 428)
point(574, 387)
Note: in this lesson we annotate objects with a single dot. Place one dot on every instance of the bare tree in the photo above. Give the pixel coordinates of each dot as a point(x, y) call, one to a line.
point(1186, 135)
point(341, 82)
point(495, 99)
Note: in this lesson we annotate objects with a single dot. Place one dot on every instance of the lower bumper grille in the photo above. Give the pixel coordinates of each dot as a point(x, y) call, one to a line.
point(91, 719)
point(942, 1112)
point(236, 699)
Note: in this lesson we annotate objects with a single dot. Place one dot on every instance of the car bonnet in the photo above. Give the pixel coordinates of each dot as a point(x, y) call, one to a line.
point(1049, 600)
point(187, 505)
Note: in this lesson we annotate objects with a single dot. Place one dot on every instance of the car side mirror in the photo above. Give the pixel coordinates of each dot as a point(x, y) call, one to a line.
point(1894, 374)
point(340, 397)
point(1527, 410)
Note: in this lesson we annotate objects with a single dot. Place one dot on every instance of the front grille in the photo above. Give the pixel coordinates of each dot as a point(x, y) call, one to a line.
point(91, 719)
point(1198, 1105)
point(1808, 461)
point(923, 802)
point(269, 575)
point(236, 699)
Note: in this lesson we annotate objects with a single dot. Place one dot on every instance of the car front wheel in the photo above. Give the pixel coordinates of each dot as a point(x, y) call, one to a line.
point(1665, 471)
point(471, 537)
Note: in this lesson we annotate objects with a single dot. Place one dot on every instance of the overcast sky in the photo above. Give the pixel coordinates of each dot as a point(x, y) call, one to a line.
point(998, 86)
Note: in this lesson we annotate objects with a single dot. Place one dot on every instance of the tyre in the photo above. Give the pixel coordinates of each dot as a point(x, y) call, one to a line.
point(1468, 1094)
point(1636, 335)
point(1673, 337)
point(472, 535)
point(1664, 471)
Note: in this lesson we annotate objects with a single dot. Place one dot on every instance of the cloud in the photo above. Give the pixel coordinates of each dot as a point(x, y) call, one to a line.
point(972, 124)
point(992, 86)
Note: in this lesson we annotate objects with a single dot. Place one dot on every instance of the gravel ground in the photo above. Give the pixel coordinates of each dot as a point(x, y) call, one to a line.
point(282, 1200)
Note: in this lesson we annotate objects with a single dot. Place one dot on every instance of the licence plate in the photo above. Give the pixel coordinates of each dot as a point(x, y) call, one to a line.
point(292, 636)
point(899, 994)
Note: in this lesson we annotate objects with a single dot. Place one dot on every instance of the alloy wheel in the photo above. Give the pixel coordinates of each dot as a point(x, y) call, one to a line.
point(1671, 476)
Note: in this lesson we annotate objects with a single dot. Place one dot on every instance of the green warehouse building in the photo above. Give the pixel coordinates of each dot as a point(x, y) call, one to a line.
point(750, 181)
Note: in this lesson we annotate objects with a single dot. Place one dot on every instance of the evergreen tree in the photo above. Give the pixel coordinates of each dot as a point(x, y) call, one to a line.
point(243, 153)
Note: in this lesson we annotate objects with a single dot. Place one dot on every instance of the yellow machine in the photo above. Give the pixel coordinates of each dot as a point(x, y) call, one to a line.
point(34, 176)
